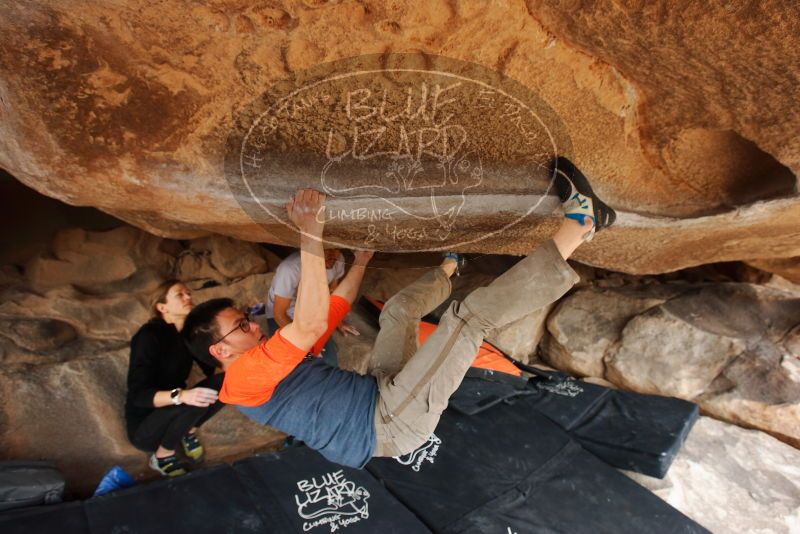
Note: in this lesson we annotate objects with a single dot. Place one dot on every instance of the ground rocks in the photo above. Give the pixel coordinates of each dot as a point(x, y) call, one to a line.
point(733, 480)
point(727, 346)
point(658, 353)
point(588, 322)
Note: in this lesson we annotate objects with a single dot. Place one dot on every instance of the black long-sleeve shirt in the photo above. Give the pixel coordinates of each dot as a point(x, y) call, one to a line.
point(159, 361)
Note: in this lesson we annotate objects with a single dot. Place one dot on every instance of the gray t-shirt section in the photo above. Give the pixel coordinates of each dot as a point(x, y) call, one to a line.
point(331, 410)
point(287, 279)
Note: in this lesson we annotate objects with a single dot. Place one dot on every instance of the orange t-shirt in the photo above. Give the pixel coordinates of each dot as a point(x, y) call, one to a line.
point(251, 379)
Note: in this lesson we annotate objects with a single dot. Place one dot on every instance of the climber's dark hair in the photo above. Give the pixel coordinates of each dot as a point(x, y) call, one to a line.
point(200, 329)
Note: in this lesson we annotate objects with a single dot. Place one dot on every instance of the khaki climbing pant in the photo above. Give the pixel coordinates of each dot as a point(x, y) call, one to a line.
point(415, 383)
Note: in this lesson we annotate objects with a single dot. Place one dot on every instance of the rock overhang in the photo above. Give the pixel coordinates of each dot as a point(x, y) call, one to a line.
point(132, 110)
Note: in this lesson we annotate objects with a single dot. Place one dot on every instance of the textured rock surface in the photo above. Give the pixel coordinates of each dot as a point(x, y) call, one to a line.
point(733, 480)
point(588, 323)
point(686, 116)
point(662, 354)
point(81, 258)
point(788, 268)
point(731, 347)
point(711, 48)
point(521, 338)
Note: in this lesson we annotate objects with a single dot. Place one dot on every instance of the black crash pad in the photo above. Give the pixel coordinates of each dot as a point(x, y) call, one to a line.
point(313, 495)
point(511, 469)
point(634, 431)
point(206, 501)
point(68, 518)
point(295, 490)
point(642, 433)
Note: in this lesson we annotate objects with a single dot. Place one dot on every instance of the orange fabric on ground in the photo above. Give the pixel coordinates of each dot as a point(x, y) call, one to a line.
point(251, 379)
point(487, 357)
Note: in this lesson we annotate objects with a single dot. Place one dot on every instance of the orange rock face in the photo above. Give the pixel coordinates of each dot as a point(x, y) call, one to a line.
point(685, 117)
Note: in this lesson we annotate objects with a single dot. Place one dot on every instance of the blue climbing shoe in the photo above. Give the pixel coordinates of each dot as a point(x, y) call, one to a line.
point(460, 260)
point(577, 197)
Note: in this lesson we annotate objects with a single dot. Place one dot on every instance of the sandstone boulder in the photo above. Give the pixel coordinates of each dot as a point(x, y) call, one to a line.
point(93, 260)
point(38, 335)
point(57, 403)
point(722, 345)
point(521, 338)
point(731, 480)
point(114, 316)
point(791, 343)
point(687, 128)
point(585, 324)
point(788, 268)
point(15, 356)
point(245, 292)
point(659, 353)
point(222, 259)
point(72, 413)
point(192, 265)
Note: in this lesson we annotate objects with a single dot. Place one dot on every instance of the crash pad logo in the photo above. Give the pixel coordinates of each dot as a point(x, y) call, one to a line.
point(407, 147)
point(567, 387)
point(331, 501)
point(426, 453)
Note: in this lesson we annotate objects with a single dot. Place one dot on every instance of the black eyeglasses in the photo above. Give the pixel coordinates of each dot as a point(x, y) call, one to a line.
point(243, 325)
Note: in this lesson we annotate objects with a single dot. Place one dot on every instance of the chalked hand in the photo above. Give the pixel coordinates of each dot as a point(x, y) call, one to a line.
point(307, 211)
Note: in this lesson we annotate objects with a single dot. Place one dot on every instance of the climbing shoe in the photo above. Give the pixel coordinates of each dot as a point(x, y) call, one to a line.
point(577, 197)
point(192, 447)
point(168, 466)
point(460, 260)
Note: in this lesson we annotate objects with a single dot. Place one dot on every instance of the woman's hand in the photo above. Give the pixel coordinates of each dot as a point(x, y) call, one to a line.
point(201, 397)
point(362, 257)
point(346, 329)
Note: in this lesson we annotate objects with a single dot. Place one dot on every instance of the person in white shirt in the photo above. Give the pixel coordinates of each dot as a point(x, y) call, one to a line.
point(283, 295)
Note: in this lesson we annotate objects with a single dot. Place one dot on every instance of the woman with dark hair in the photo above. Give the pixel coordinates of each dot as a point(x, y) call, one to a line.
point(160, 413)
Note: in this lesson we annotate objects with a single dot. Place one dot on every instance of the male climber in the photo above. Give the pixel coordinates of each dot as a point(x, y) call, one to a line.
point(348, 417)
